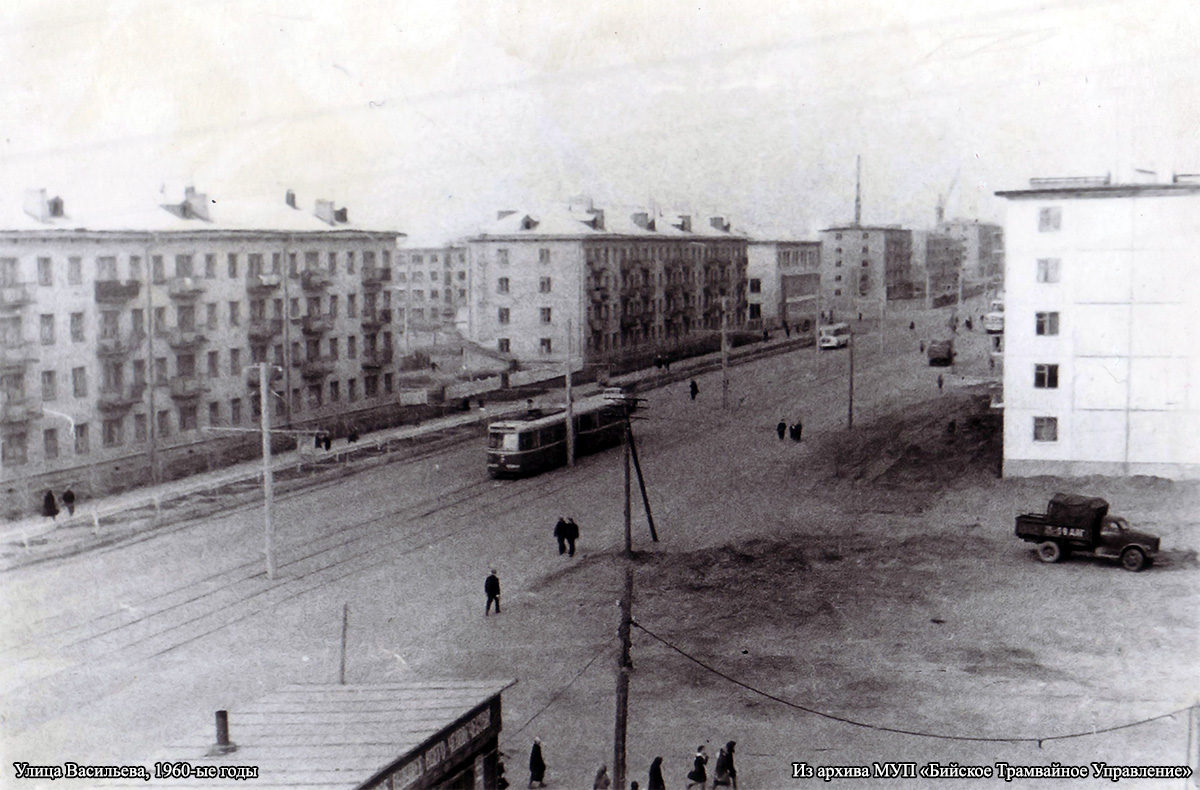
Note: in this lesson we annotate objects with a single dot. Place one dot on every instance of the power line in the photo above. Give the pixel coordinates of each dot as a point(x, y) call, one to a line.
point(897, 730)
point(554, 697)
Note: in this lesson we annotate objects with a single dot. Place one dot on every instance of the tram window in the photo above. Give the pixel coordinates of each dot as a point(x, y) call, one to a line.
point(587, 422)
point(527, 441)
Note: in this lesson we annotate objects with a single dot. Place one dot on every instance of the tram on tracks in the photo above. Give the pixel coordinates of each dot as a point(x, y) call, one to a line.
point(527, 445)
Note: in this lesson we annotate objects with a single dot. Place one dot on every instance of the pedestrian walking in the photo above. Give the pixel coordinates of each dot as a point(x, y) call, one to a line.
point(781, 429)
point(698, 776)
point(602, 782)
point(912, 326)
point(491, 586)
point(68, 500)
point(560, 534)
point(799, 426)
point(634, 785)
point(537, 765)
point(724, 774)
point(991, 363)
point(50, 506)
point(695, 389)
point(766, 335)
point(941, 382)
point(572, 535)
point(787, 331)
point(656, 776)
point(922, 346)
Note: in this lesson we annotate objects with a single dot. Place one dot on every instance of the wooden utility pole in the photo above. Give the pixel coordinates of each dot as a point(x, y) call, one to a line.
point(345, 627)
point(637, 467)
point(850, 402)
point(624, 664)
point(628, 509)
point(264, 401)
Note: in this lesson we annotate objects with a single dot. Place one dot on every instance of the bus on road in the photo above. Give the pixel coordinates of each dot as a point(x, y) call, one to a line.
point(833, 335)
point(993, 321)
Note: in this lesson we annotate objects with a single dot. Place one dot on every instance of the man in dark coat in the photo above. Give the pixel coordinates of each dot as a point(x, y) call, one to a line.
point(49, 505)
point(799, 426)
point(781, 429)
point(572, 535)
point(537, 765)
point(695, 389)
point(491, 586)
point(725, 774)
point(560, 532)
point(68, 499)
point(656, 776)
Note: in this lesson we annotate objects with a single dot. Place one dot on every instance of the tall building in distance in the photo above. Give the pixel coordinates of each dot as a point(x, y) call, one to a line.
point(783, 283)
point(982, 249)
point(1102, 323)
point(864, 265)
point(127, 335)
point(430, 284)
point(615, 285)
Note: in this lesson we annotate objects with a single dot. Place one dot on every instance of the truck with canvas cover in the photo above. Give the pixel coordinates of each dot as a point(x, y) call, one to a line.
point(1082, 524)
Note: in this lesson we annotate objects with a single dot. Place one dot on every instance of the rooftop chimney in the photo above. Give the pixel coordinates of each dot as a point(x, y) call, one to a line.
point(290, 198)
point(324, 211)
point(597, 218)
point(641, 219)
point(685, 223)
point(719, 223)
point(35, 204)
point(195, 204)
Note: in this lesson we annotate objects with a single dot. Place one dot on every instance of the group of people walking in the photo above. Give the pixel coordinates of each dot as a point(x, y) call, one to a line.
point(795, 430)
point(566, 532)
point(724, 773)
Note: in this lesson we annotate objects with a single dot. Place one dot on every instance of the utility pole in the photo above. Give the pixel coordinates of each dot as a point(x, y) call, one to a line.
point(264, 396)
point(850, 403)
point(724, 352)
point(628, 509)
point(570, 407)
point(624, 664)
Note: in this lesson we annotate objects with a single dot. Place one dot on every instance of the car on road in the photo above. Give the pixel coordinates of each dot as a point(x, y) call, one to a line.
point(1081, 524)
point(940, 353)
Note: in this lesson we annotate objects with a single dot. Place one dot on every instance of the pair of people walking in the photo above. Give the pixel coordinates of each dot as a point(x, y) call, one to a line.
point(724, 771)
point(795, 430)
point(567, 532)
point(50, 504)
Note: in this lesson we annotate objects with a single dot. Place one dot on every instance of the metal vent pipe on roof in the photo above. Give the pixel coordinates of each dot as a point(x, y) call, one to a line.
point(223, 744)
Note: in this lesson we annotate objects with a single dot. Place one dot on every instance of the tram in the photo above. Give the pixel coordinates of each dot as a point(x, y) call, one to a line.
point(528, 445)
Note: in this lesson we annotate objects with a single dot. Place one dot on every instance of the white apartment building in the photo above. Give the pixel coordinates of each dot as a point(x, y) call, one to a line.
point(1102, 328)
point(783, 283)
point(126, 334)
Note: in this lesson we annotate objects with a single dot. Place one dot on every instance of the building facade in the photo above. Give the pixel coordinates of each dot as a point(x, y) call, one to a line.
point(982, 249)
point(431, 288)
point(1102, 323)
point(862, 266)
point(127, 337)
point(783, 283)
point(614, 286)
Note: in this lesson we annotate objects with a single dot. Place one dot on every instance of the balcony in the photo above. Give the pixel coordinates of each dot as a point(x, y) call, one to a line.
point(14, 358)
point(376, 319)
point(186, 387)
point(252, 377)
point(185, 288)
point(120, 398)
point(377, 358)
point(15, 296)
point(185, 338)
point(116, 292)
point(260, 284)
point(374, 279)
point(119, 346)
point(265, 328)
point(596, 324)
point(315, 324)
point(16, 409)
point(600, 294)
point(314, 280)
point(317, 368)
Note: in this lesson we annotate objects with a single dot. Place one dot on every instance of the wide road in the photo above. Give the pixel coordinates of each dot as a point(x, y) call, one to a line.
point(107, 656)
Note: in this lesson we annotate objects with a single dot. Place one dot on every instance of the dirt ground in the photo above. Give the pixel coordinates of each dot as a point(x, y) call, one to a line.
point(889, 592)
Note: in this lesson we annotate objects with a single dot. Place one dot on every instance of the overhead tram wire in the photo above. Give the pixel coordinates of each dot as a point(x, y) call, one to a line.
point(898, 730)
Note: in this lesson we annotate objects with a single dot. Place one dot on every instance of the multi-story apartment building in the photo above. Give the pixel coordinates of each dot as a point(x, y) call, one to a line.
point(937, 264)
point(982, 248)
point(862, 265)
point(784, 283)
point(614, 285)
point(431, 288)
point(1102, 328)
point(126, 336)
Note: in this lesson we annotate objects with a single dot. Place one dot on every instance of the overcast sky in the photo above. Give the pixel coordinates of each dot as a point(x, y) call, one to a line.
point(437, 113)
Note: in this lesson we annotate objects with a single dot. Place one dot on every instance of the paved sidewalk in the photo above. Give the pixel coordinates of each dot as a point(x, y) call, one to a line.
point(91, 512)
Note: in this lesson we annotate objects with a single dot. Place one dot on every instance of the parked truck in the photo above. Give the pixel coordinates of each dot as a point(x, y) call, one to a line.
point(1081, 524)
point(940, 352)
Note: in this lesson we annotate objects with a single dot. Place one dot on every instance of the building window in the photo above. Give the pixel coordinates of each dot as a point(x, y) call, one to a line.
point(157, 272)
point(502, 315)
point(503, 345)
point(187, 418)
point(1049, 219)
point(332, 258)
point(139, 427)
point(1045, 377)
point(1045, 429)
point(214, 362)
point(160, 320)
point(837, 291)
point(14, 451)
point(544, 285)
point(214, 413)
point(502, 257)
point(235, 313)
point(49, 385)
point(45, 271)
point(545, 346)
point(183, 266)
point(352, 390)
point(210, 318)
point(1047, 323)
point(112, 431)
point(50, 443)
point(160, 370)
point(546, 316)
point(370, 386)
point(210, 266)
point(1048, 270)
point(79, 382)
point(335, 391)
point(81, 438)
point(388, 382)
point(756, 286)
point(231, 261)
point(837, 278)
point(352, 347)
point(235, 411)
point(333, 306)
point(352, 306)
point(502, 285)
point(46, 326)
point(74, 271)
point(543, 255)
point(76, 327)
point(866, 264)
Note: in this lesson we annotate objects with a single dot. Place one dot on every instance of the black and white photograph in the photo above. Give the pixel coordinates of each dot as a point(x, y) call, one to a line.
point(483, 395)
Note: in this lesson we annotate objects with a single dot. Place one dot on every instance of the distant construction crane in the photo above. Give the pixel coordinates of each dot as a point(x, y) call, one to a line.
point(942, 198)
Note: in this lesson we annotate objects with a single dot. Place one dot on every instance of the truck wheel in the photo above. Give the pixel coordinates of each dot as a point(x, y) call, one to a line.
point(1133, 559)
point(1049, 551)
